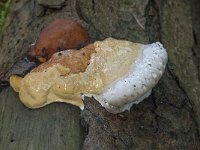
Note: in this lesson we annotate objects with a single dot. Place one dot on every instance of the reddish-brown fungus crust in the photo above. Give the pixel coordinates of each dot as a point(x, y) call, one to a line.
point(59, 35)
point(76, 61)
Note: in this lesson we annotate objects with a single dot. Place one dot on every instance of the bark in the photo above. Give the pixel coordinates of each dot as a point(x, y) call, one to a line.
point(168, 119)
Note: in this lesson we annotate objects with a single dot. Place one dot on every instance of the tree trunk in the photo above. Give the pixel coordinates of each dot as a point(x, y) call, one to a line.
point(168, 119)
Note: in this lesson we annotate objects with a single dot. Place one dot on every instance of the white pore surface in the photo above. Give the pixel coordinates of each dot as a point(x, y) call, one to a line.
point(131, 89)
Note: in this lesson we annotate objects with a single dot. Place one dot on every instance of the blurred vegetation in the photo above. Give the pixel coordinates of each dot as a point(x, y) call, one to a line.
point(4, 7)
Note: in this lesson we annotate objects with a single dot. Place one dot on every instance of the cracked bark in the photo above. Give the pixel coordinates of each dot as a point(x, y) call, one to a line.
point(168, 119)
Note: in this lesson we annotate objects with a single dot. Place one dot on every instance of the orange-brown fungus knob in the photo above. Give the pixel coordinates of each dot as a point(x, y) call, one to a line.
point(59, 35)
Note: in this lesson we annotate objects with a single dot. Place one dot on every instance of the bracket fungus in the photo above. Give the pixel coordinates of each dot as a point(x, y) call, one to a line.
point(117, 73)
point(59, 35)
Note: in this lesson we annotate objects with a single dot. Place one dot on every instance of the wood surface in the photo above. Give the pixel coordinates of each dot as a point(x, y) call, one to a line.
point(55, 127)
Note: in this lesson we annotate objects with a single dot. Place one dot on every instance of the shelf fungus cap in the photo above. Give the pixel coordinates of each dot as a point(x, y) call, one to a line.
point(117, 73)
point(59, 35)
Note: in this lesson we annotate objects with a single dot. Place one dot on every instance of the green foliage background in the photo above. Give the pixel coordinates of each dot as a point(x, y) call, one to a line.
point(4, 7)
